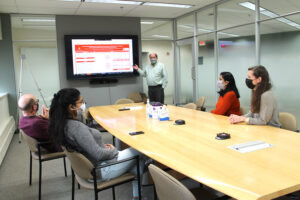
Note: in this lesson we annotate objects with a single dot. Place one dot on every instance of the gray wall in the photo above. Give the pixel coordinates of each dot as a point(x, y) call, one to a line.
point(100, 94)
point(7, 73)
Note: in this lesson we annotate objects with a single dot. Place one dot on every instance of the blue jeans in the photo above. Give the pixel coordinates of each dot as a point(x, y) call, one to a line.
point(117, 170)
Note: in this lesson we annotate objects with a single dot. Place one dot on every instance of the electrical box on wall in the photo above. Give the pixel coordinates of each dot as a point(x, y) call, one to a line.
point(0, 29)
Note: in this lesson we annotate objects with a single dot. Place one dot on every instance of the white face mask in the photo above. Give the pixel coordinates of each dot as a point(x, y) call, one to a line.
point(220, 84)
point(80, 111)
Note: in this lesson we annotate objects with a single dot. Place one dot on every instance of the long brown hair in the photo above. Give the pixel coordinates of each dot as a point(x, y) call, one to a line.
point(263, 86)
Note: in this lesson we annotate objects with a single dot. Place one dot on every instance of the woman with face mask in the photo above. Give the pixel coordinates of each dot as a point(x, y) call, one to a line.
point(264, 110)
point(228, 102)
point(65, 129)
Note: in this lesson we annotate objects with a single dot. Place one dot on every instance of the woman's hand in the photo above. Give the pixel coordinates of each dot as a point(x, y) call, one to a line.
point(234, 119)
point(109, 146)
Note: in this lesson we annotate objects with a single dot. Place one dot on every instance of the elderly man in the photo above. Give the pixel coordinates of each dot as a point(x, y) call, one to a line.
point(33, 125)
point(157, 78)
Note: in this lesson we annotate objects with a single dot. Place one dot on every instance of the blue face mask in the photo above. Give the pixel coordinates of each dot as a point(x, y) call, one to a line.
point(153, 61)
point(80, 111)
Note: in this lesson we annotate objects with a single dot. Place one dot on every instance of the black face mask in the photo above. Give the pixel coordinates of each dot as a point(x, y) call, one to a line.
point(249, 83)
point(37, 107)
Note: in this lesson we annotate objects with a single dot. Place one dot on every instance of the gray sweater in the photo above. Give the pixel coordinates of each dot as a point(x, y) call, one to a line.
point(88, 141)
point(268, 114)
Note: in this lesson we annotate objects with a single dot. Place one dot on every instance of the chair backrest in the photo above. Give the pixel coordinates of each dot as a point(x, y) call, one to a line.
point(190, 106)
point(288, 121)
point(31, 142)
point(124, 101)
point(243, 110)
point(200, 102)
point(135, 96)
point(80, 164)
point(167, 187)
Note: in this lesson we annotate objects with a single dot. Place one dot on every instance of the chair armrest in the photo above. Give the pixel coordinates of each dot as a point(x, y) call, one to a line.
point(120, 161)
point(43, 142)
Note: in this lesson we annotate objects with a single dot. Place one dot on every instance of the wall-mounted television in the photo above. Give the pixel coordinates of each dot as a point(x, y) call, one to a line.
point(101, 56)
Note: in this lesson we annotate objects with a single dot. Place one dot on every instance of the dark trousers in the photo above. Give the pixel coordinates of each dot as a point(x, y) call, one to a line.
point(156, 94)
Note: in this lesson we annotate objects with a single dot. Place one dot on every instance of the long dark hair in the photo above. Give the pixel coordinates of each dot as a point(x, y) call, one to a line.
point(59, 113)
point(227, 76)
point(263, 86)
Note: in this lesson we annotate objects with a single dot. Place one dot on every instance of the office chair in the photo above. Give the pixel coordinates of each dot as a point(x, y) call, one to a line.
point(243, 110)
point(135, 96)
point(38, 153)
point(190, 106)
point(288, 121)
point(167, 187)
point(83, 169)
point(124, 101)
point(200, 104)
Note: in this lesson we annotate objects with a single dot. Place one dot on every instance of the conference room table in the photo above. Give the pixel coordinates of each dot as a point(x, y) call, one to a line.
point(193, 150)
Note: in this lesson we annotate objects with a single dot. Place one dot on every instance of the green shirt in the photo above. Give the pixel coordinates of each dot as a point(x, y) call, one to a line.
point(155, 75)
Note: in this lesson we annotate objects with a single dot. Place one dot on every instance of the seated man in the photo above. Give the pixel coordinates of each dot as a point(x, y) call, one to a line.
point(33, 125)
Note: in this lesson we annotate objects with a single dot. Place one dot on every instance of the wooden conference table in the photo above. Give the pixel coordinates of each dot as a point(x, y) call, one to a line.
point(192, 149)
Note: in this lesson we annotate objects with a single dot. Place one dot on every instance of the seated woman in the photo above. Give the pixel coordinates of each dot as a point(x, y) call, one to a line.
point(65, 130)
point(228, 102)
point(264, 110)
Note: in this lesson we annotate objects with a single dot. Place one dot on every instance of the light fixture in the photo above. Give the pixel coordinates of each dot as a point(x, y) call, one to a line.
point(38, 20)
point(167, 5)
point(270, 14)
point(160, 36)
point(115, 2)
point(147, 22)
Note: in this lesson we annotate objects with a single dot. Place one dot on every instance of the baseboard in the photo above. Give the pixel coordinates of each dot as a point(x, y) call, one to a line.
point(7, 130)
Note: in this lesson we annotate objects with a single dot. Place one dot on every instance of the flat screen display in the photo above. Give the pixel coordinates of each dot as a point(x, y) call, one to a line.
point(101, 56)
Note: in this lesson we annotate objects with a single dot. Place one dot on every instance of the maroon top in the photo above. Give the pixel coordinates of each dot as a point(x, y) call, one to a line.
point(35, 127)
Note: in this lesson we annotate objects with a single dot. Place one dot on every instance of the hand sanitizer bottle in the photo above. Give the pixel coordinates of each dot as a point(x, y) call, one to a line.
point(148, 108)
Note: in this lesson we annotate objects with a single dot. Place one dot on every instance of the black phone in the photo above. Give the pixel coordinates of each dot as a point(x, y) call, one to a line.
point(136, 133)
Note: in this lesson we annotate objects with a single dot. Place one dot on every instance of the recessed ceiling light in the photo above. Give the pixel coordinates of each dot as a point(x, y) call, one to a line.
point(167, 5)
point(37, 20)
point(270, 14)
point(116, 2)
point(147, 22)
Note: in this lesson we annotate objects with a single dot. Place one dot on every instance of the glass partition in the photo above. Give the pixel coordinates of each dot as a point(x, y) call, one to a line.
point(185, 27)
point(157, 37)
point(235, 12)
point(206, 70)
point(236, 55)
point(280, 47)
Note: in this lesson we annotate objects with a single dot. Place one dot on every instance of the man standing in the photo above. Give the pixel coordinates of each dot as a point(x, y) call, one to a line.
point(157, 78)
point(33, 125)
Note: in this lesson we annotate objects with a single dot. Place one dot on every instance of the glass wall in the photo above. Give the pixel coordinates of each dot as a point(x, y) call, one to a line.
point(206, 69)
point(185, 27)
point(236, 54)
point(157, 36)
point(280, 47)
point(235, 12)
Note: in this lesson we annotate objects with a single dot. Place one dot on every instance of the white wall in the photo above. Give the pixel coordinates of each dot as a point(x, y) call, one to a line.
point(164, 51)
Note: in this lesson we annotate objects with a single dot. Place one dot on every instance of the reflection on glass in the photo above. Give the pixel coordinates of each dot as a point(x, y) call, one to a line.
point(280, 47)
point(236, 55)
point(205, 21)
point(280, 7)
point(186, 82)
point(156, 30)
point(232, 13)
point(185, 27)
point(206, 70)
